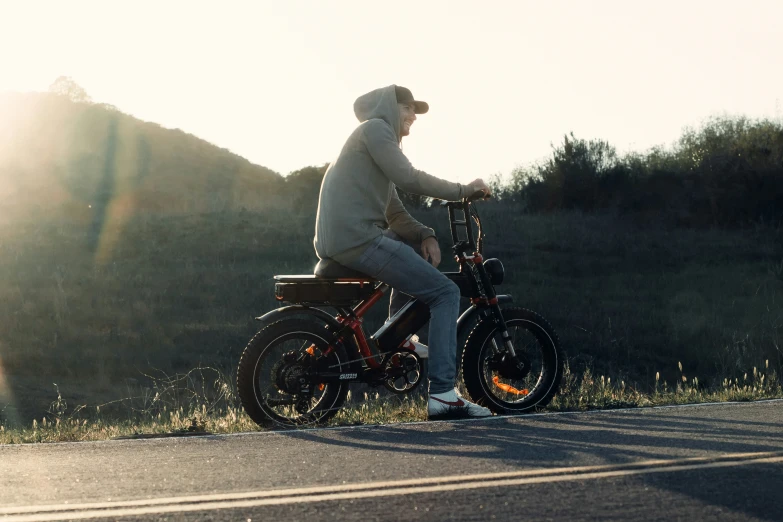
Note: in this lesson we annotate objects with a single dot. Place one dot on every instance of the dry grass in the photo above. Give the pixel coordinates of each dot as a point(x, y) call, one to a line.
point(202, 406)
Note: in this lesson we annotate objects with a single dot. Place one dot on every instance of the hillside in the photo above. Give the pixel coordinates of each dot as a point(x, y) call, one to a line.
point(92, 162)
point(129, 251)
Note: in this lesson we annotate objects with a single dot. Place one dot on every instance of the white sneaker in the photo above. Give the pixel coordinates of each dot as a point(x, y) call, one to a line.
point(420, 349)
point(451, 405)
point(414, 344)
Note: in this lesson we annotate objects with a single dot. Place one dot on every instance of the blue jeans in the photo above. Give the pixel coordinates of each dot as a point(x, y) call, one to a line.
point(390, 260)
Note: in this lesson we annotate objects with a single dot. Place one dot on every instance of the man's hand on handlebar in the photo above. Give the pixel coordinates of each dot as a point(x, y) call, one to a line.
point(475, 187)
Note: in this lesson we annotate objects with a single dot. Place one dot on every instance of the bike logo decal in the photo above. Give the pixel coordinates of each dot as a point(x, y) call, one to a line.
point(344, 376)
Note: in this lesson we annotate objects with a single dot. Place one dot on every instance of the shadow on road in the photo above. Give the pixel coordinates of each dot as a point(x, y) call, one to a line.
point(601, 438)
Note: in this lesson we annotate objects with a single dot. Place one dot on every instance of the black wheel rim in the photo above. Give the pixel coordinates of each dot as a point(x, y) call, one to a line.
point(529, 341)
point(280, 404)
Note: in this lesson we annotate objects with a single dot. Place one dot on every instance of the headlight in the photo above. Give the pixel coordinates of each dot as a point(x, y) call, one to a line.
point(495, 270)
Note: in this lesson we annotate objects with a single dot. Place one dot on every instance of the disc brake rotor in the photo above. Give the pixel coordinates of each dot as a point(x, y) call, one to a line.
point(291, 375)
point(515, 369)
point(505, 366)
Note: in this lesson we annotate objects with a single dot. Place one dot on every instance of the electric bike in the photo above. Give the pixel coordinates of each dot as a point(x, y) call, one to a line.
point(297, 369)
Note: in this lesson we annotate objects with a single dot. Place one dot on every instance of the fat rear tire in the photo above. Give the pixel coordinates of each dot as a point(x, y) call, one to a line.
point(250, 376)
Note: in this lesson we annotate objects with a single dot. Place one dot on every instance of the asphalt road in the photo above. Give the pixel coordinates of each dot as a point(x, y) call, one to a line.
point(715, 462)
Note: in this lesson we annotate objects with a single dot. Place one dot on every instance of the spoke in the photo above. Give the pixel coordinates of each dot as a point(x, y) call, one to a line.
point(271, 390)
point(280, 402)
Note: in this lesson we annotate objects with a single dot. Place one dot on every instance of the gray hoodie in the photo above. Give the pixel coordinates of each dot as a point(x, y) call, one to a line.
point(358, 198)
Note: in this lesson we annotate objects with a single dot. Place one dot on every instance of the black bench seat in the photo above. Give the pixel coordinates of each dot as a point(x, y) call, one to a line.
point(307, 278)
point(332, 284)
point(319, 291)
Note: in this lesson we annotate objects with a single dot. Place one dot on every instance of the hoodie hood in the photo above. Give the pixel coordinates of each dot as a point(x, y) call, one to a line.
point(382, 104)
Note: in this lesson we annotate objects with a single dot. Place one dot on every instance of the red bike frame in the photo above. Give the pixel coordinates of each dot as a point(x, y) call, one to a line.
point(354, 322)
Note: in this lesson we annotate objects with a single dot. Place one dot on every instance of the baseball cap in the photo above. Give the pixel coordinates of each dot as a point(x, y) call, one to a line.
point(404, 95)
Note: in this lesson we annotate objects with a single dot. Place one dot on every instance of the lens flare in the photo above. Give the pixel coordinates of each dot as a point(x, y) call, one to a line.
point(7, 408)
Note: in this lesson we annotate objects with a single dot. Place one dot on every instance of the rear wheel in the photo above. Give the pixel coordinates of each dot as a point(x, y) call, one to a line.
point(275, 381)
point(489, 378)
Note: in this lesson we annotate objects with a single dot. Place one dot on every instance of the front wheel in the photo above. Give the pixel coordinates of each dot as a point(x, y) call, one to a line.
point(486, 372)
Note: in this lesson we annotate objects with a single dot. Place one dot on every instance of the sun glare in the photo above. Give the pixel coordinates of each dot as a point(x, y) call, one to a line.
point(9, 120)
point(7, 406)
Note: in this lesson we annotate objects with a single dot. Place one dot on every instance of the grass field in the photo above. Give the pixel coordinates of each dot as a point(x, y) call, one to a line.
point(193, 404)
point(107, 312)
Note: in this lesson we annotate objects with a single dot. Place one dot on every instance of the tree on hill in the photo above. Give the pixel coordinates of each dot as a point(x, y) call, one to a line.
point(303, 186)
point(580, 174)
point(412, 200)
point(728, 172)
point(67, 87)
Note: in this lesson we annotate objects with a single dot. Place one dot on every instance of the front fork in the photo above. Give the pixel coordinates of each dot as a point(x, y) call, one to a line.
point(497, 313)
point(517, 365)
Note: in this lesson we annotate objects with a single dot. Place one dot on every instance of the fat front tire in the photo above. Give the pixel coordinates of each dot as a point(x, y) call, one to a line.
point(536, 341)
point(266, 367)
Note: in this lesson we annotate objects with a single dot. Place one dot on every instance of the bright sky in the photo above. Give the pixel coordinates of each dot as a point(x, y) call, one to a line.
point(275, 81)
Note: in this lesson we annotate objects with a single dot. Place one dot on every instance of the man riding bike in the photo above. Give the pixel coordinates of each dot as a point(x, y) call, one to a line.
point(363, 225)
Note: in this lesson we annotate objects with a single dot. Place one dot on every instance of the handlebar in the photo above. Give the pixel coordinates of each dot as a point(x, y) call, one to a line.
point(468, 212)
point(481, 194)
